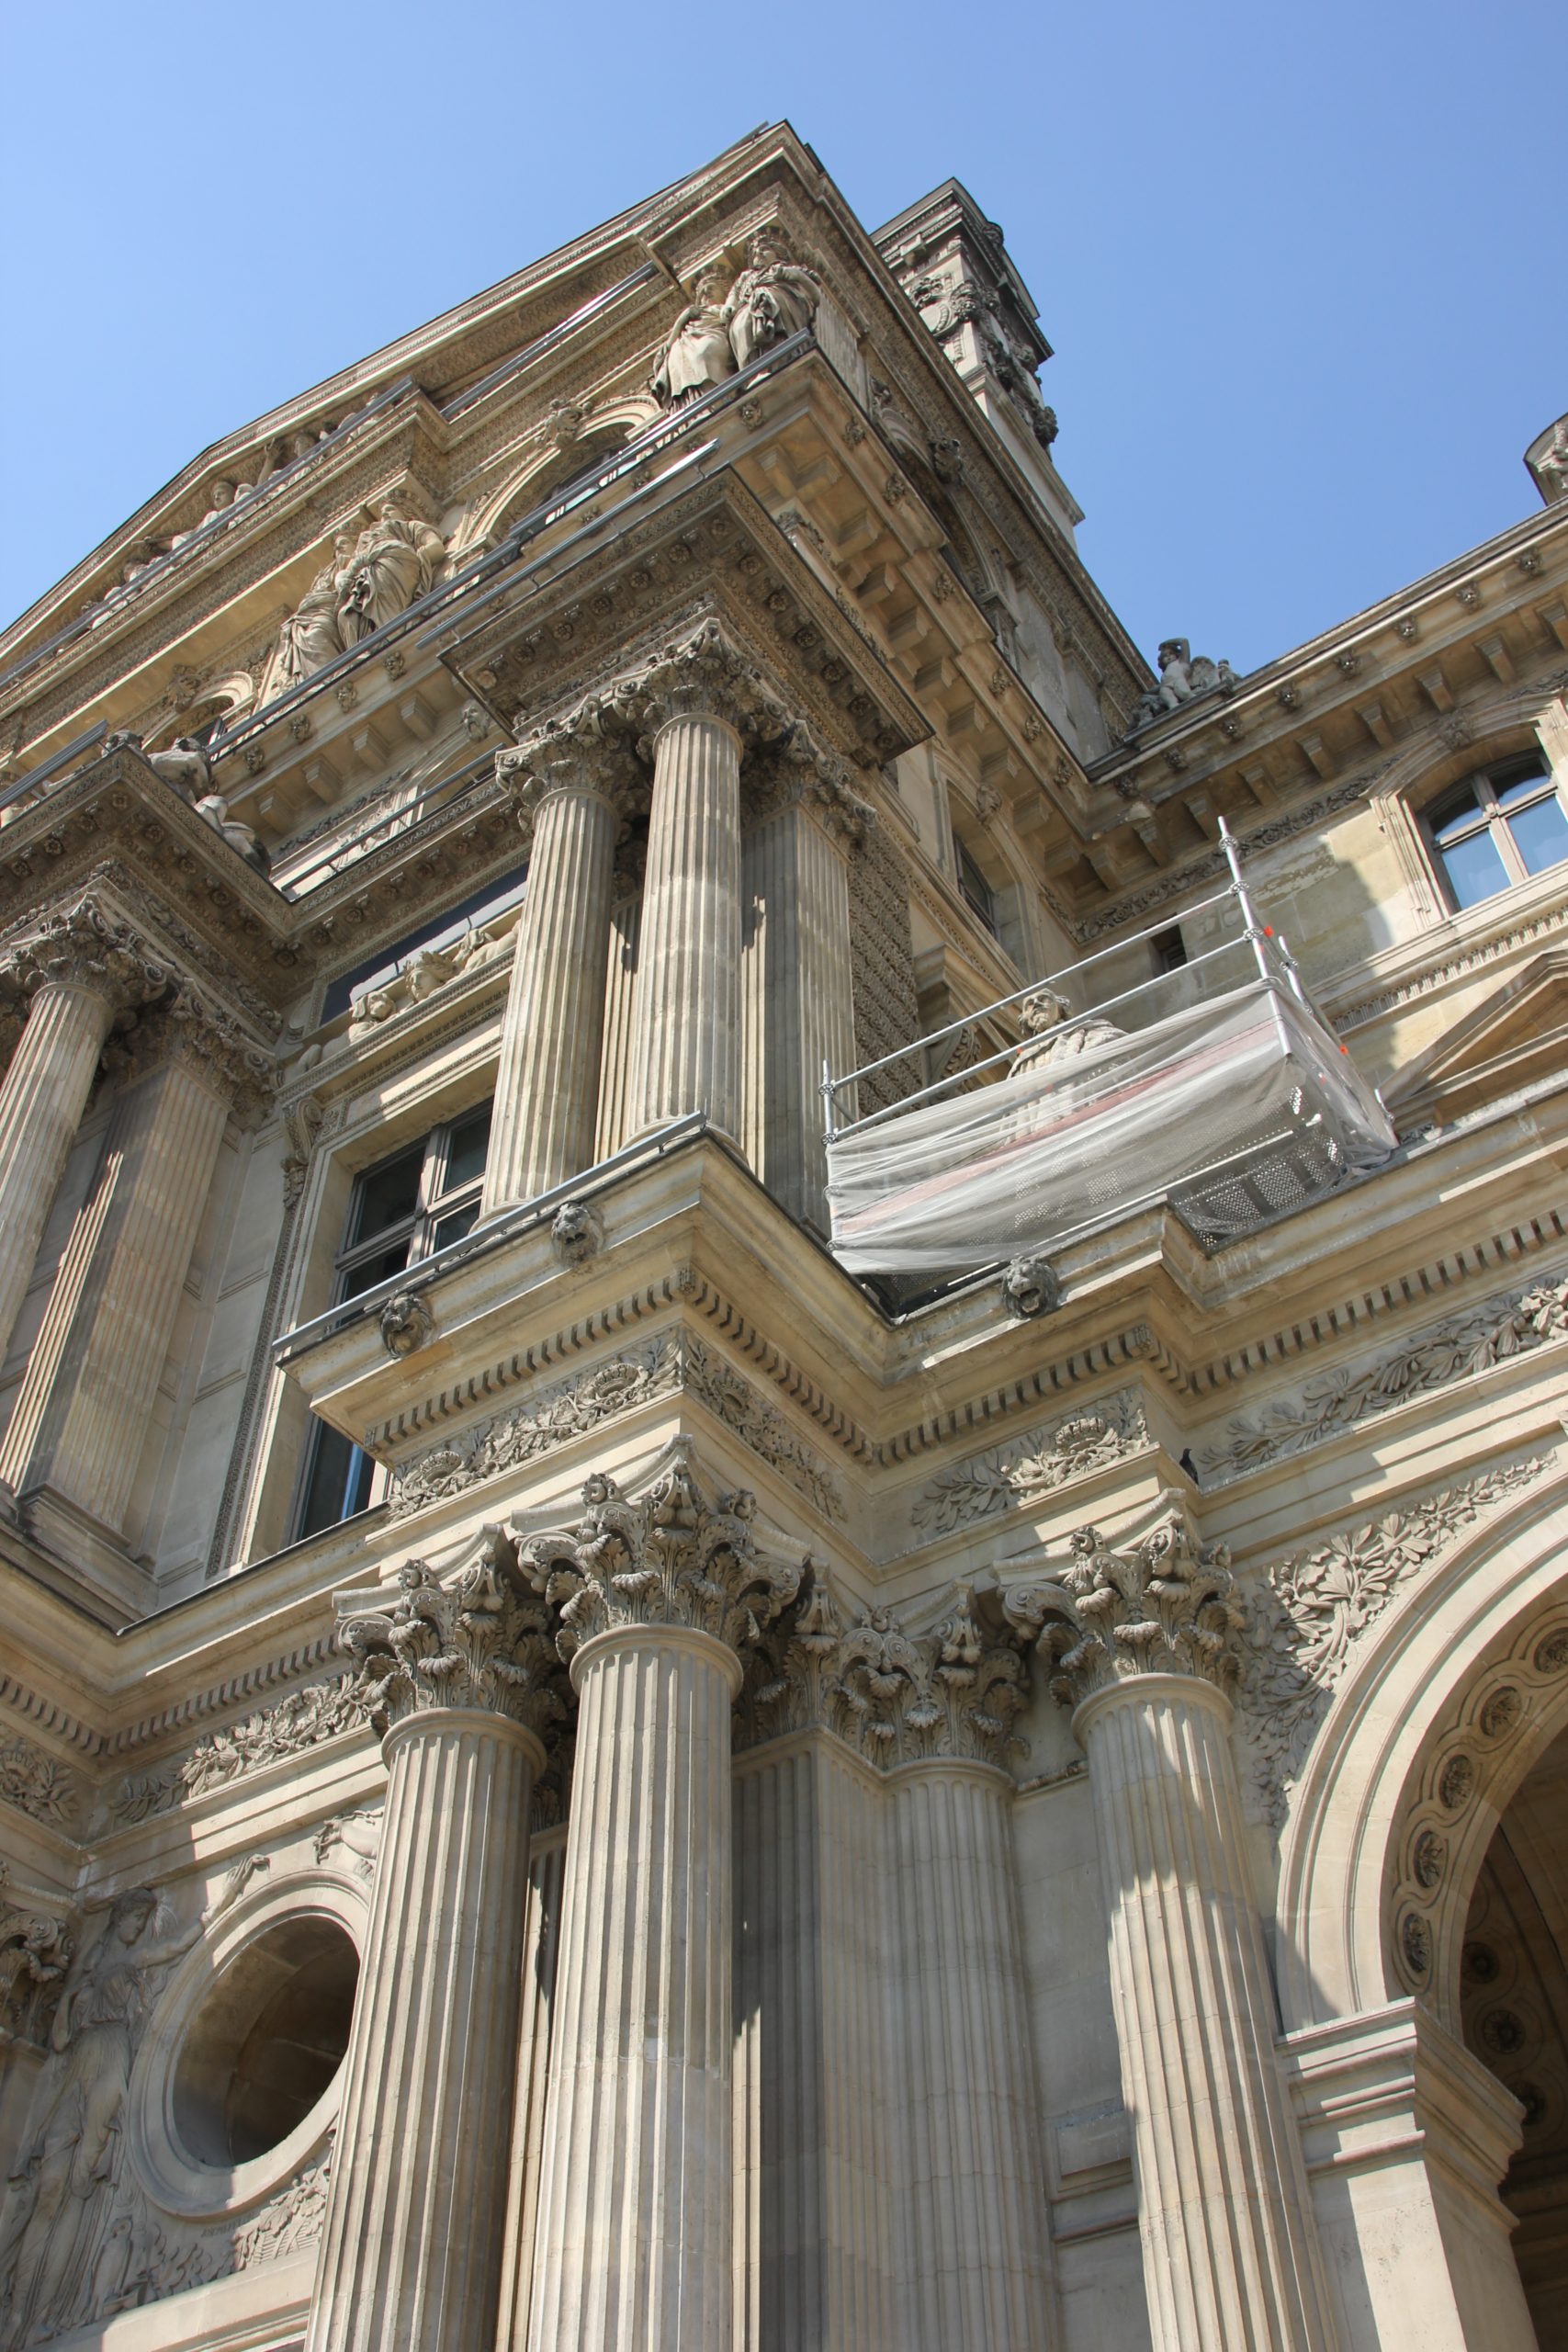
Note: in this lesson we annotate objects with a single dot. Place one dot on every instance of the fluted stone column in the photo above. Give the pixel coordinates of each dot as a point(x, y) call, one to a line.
point(633, 2248)
point(1144, 1647)
point(547, 1099)
point(698, 698)
point(797, 1008)
point(465, 1677)
point(75, 1443)
point(77, 974)
point(897, 2187)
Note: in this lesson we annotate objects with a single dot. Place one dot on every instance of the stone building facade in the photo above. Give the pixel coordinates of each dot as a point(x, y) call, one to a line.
point(570, 1775)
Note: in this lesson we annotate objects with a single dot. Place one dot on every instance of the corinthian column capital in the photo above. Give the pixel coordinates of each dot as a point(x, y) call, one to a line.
point(1169, 1606)
point(479, 1642)
point(586, 750)
point(704, 674)
point(802, 771)
point(85, 948)
point(671, 1559)
point(953, 1692)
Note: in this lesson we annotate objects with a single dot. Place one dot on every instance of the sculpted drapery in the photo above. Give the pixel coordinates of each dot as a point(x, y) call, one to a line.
point(369, 581)
point(772, 298)
point(698, 354)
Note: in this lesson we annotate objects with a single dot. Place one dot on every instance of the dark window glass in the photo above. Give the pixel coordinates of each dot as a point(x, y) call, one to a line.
point(1169, 949)
point(478, 908)
point(403, 1209)
point(976, 889)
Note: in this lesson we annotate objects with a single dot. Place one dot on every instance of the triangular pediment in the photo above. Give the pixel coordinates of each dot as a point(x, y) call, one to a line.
point(1514, 1037)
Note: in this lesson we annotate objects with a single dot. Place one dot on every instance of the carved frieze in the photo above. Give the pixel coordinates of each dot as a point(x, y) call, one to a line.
point(1033, 1464)
point(37, 1784)
point(1509, 1326)
point(301, 1719)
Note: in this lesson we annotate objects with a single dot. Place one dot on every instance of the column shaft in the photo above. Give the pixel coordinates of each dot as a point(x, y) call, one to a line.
point(548, 1086)
point(541, 1952)
point(1230, 2258)
point(686, 1049)
point(814, 2251)
point(632, 2252)
point(973, 2196)
point(41, 1101)
point(416, 2216)
point(91, 1387)
point(798, 1003)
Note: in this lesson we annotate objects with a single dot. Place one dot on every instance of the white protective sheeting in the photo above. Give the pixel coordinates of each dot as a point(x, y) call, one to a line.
point(1238, 1107)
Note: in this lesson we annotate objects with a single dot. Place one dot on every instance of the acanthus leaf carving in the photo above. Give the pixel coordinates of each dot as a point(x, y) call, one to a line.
point(1032, 1465)
point(479, 1641)
point(1167, 1605)
point(299, 1720)
point(673, 1557)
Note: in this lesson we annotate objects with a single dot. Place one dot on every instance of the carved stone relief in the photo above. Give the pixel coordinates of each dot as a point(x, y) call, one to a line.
point(299, 1720)
point(1033, 1464)
point(35, 1951)
point(39, 1784)
point(1500, 1328)
point(1169, 1606)
point(1308, 1613)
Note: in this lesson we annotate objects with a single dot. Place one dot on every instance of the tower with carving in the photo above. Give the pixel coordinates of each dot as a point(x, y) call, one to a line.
point(652, 1705)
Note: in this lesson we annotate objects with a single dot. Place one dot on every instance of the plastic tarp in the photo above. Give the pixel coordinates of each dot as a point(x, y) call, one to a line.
point(1237, 1108)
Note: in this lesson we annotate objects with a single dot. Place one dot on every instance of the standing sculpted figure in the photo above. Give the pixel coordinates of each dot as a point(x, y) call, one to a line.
point(698, 354)
point(311, 637)
point(772, 298)
point(394, 563)
point(61, 2193)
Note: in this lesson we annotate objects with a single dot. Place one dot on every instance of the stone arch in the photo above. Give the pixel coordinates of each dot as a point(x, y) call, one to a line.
point(1367, 1913)
point(549, 466)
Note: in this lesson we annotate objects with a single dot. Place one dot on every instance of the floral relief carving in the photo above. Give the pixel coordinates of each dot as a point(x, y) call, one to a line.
point(1308, 1613)
point(1033, 1466)
point(37, 1784)
point(300, 1719)
point(1499, 1328)
point(36, 1948)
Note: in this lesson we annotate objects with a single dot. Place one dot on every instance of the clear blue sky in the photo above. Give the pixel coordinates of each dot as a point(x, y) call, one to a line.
point(1302, 269)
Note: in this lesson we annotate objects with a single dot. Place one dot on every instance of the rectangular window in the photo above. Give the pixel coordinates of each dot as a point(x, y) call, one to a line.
point(976, 889)
point(404, 1208)
point(1497, 829)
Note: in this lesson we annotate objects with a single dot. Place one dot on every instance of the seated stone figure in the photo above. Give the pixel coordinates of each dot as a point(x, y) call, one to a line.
point(1183, 678)
point(1041, 1016)
point(698, 354)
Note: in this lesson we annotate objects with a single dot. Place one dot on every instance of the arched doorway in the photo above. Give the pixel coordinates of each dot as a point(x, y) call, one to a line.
point(1514, 2005)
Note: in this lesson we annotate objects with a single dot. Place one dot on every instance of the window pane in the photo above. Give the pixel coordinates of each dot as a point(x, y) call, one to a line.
point(1540, 833)
point(364, 1273)
point(1511, 785)
point(339, 1484)
point(976, 889)
point(388, 1193)
point(465, 1152)
point(453, 1225)
point(1453, 817)
point(1475, 868)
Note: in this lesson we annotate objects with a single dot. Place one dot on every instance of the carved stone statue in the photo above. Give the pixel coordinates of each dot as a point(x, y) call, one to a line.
point(1041, 1016)
point(407, 1324)
point(310, 637)
point(1031, 1287)
point(698, 354)
point(1183, 678)
point(61, 2193)
point(394, 563)
point(772, 298)
point(213, 810)
point(1551, 468)
point(182, 764)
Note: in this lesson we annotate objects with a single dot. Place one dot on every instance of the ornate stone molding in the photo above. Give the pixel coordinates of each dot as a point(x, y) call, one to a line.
point(1500, 1328)
point(39, 1784)
point(479, 1642)
point(895, 1698)
point(88, 946)
point(802, 771)
point(299, 1720)
point(1033, 1464)
point(1169, 1606)
point(674, 1558)
point(1308, 1613)
point(586, 749)
point(704, 674)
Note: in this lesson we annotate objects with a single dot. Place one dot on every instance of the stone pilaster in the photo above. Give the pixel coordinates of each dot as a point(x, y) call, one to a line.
point(575, 790)
point(76, 975)
point(798, 988)
point(75, 1443)
point(698, 701)
point(658, 1598)
point(1143, 1646)
point(925, 2110)
point(464, 1676)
